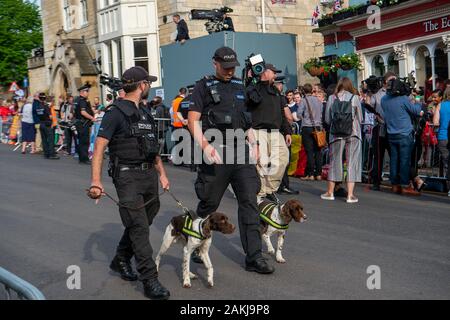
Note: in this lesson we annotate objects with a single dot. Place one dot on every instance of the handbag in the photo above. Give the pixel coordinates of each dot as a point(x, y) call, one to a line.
point(319, 136)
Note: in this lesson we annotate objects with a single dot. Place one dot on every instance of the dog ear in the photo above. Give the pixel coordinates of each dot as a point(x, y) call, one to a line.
point(286, 212)
point(207, 229)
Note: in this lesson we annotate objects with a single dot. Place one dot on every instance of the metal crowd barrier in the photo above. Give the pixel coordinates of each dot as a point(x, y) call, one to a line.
point(20, 287)
point(164, 136)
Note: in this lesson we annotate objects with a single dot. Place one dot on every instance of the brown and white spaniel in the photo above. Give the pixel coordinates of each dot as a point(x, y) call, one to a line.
point(275, 219)
point(193, 234)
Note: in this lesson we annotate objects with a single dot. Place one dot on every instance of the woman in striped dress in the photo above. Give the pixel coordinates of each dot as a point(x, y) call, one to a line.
point(345, 91)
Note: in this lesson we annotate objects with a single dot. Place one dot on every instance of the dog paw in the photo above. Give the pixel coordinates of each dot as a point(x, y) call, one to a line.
point(210, 284)
point(193, 276)
point(271, 251)
point(280, 260)
point(187, 285)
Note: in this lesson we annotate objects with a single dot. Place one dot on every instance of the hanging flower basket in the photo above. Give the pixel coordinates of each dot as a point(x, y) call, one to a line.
point(314, 67)
point(349, 62)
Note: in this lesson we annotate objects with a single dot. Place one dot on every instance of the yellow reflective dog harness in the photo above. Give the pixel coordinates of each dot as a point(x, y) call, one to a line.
point(189, 231)
point(266, 208)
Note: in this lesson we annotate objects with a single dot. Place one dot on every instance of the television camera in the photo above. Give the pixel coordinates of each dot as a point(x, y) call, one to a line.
point(215, 18)
point(253, 69)
point(114, 84)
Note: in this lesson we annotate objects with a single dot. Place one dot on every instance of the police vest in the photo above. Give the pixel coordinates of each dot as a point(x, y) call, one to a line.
point(43, 113)
point(140, 144)
point(225, 105)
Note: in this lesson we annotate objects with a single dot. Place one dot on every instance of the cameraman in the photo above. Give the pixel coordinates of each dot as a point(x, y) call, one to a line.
point(269, 122)
point(380, 143)
point(398, 113)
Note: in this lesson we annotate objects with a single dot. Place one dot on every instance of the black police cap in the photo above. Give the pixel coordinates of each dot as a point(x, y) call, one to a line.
point(227, 57)
point(136, 74)
point(84, 87)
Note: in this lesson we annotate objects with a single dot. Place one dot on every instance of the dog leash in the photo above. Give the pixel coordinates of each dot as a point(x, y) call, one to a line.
point(178, 202)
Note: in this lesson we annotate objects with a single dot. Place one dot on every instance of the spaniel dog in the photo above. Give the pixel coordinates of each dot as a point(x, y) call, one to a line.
point(194, 233)
point(275, 219)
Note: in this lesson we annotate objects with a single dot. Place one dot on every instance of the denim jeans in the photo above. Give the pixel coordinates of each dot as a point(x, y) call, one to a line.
point(401, 147)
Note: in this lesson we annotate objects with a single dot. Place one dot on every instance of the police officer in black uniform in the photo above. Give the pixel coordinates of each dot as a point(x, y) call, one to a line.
point(129, 131)
point(219, 103)
point(47, 132)
point(84, 117)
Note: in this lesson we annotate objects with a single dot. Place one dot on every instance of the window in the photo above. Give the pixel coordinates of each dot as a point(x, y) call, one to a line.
point(67, 18)
point(84, 12)
point(141, 53)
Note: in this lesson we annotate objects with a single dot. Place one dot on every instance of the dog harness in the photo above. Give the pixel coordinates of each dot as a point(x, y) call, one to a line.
point(266, 208)
point(193, 228)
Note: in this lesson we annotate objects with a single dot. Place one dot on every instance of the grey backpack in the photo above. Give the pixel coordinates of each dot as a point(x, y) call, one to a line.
point(342, 118)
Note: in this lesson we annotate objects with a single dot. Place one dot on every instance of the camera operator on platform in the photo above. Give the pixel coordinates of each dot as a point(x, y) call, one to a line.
point(272, 130)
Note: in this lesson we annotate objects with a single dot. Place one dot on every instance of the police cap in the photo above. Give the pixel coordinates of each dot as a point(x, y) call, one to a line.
point(84, 87)
point(227, 57)
point(137, 74)
point(272, 67)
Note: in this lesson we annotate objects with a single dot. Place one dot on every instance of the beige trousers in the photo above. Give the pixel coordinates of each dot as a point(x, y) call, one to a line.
point(38, 139)
point(274, 158)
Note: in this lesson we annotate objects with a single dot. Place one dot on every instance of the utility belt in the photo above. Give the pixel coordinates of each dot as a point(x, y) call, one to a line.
point(115, 169)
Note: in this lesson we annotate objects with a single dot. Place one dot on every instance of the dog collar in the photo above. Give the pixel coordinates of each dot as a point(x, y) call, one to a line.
point(266, 209)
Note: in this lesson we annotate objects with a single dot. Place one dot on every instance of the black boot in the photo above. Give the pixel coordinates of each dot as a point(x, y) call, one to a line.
point(260, 265)
point(124, 269)
point(154, 290)
point(195, 256)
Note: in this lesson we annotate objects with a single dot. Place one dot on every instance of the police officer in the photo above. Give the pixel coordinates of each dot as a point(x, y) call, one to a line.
point(84, 117)
point(47, 132)
point(130, 133)
point(219, 103)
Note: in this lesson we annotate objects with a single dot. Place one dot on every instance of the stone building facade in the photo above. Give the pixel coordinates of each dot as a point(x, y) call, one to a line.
point(70, 38)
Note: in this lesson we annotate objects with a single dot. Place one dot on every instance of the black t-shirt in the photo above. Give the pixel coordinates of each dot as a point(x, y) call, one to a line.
point(114, 121)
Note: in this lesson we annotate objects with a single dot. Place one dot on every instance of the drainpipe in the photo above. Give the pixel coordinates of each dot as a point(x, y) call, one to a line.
point(263, 13)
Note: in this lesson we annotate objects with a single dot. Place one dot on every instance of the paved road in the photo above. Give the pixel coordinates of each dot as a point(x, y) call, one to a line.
point(48, 224)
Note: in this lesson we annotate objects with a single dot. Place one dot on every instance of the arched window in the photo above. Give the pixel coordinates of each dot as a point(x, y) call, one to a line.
point(378, 68)
point(423, 66)
point(393, 64)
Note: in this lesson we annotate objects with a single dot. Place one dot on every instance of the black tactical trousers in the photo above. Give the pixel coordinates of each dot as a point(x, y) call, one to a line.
point(134, 188)
point(48, 140)
point(213, 180)
point(83, 141)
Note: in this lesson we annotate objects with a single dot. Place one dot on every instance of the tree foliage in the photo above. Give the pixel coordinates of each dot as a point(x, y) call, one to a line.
point(20, 32)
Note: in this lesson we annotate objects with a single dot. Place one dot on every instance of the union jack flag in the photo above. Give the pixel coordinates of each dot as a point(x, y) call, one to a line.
point(315, 16)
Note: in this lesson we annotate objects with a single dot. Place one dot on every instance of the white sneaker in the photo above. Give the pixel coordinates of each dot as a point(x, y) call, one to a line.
point(327, 196)
point(352, 200)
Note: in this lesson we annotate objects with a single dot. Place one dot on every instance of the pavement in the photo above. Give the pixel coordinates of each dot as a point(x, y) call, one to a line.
point(48, 224)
